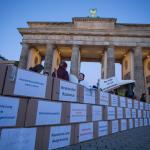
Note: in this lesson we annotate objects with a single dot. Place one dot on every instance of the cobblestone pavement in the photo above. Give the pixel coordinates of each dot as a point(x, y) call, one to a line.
point(133, 139)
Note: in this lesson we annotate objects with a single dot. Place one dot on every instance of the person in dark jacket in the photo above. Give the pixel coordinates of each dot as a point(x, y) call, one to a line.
point(143, 97)
point(61, 73)
point(37, 68)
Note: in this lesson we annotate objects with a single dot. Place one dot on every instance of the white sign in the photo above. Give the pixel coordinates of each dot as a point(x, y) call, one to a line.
point(146, 106)
point(18, 139)
point(59, 137)
point(129, 103)
point(114, 100)
point(48, 113)
point(144, 113)
point(107, 84)
point(139, 114)
point(141, 105)
point(128, 112)
point(115, 127)
point(145, 122)
point(122, 101)
point(110, 113)
point(96, 113)
point(119, 112)
point(104, 98)
point(133, 113)
point(89, 96)
point(141, 122)
point(102, 128)
point(8, 111)
point(85, 131)
point(30, 84)
point(123, 124)
point(78, 113)
point(148, 114)
point(130, 123)
point(136, 104)
point(136, 123)
point(68, 91)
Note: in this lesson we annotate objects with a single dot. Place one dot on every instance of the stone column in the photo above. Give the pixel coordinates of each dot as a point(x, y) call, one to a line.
point(138, 72)
point(108, 63)
point(75, 60)
point(49, 58)
point(24, 56)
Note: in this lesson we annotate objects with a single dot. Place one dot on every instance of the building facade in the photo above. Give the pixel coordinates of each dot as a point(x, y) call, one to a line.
point(89, 39)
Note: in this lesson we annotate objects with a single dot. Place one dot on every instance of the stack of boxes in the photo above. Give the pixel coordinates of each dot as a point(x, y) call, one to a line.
point(38, 112)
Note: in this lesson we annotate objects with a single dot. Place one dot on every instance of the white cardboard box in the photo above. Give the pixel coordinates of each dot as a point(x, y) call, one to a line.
point(114, 100)
point(104, 98)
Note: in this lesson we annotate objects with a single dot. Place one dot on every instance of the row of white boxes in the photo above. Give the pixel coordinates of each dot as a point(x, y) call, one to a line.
point(76, 114)
point(24, 83)
point(53, 137)
point(34, 112)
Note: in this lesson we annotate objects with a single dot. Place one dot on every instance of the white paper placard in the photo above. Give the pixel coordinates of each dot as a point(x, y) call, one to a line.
point(68, 91)
point(136, 123)
point(136, 104)
point(119, 112)
point(123, 124)
point(89, 96)
point(122, 101)
point(96, 113)
point(145, 122)
point(8, 111)
point(129, 103)
point(148, 114)
point(144, 113)
point(128, 112)
point(114, 100)
point(141, 105)
point(48, 113)
point(111, 113)
point(30, 84)
point(104, 98)
point(130, 123)
point(78, 113)
point(146, 106)
point(59, 137)
point(85, 131)
point(141, 122)
point(115, 127)
point(139, 113)
point(102, 128)
point(133, 113)
point(18, 139)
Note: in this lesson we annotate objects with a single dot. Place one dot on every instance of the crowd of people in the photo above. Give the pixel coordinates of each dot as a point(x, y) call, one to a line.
point(62, 73)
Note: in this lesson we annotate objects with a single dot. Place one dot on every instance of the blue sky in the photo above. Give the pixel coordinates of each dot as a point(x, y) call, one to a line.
point(15, 13)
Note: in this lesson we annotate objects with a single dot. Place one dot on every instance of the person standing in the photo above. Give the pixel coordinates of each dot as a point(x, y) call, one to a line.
point(61, 73)
point(143, 97)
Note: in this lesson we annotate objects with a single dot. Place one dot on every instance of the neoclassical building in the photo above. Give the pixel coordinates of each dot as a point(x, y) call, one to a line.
point(90, 39)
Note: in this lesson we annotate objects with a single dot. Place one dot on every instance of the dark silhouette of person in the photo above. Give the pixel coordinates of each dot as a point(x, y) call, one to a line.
point(61, 73)
point(37, 68)
point(143, 97)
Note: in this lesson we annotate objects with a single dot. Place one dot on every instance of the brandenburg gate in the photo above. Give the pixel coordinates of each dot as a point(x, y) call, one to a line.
point(90, 39)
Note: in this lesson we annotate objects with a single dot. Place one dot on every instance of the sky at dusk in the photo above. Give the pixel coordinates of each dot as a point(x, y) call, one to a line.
point(15, 14)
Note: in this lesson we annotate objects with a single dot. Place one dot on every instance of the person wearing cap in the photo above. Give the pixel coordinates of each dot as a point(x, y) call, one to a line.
point(61, 73)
